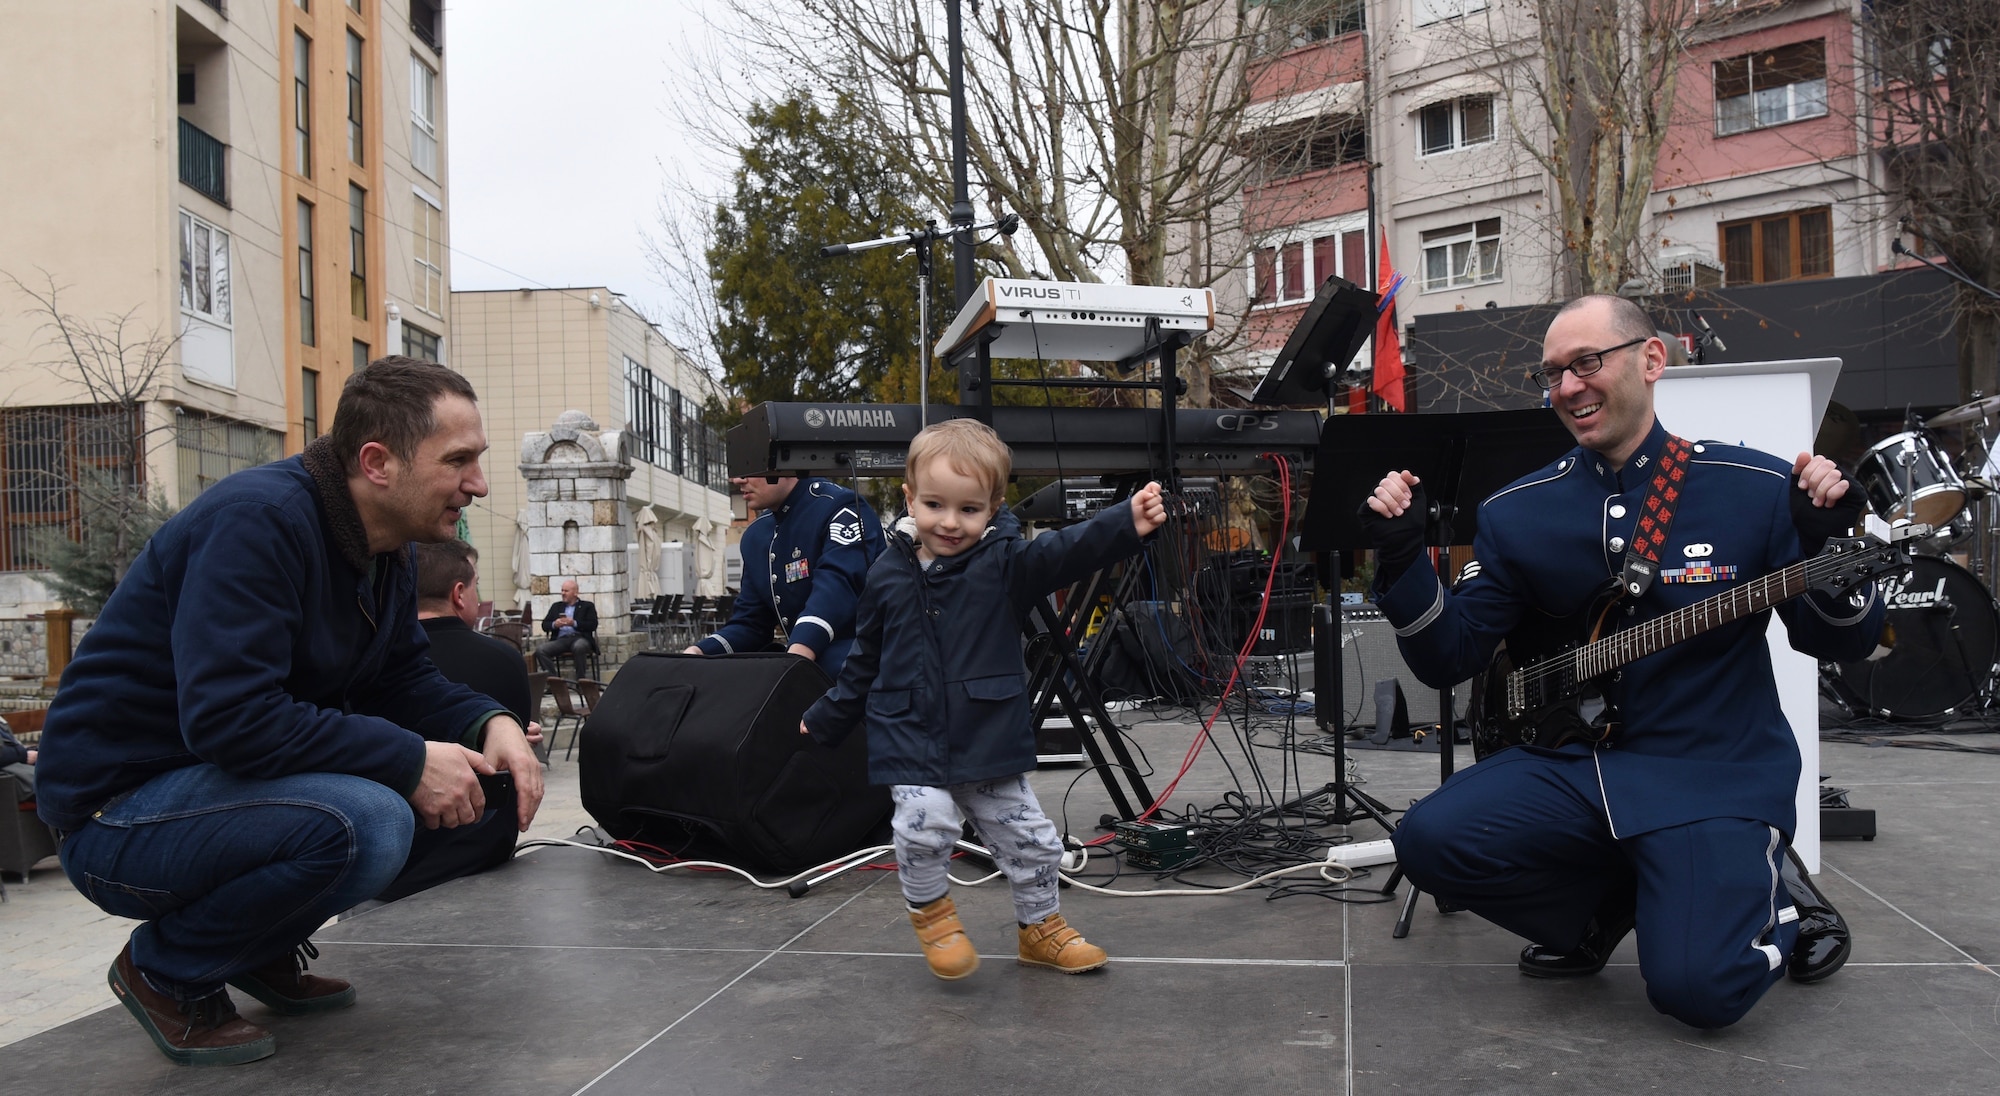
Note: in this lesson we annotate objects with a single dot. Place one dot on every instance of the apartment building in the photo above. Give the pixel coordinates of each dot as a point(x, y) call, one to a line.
point(245, 198)
point(533, 354)
point(1418, 121)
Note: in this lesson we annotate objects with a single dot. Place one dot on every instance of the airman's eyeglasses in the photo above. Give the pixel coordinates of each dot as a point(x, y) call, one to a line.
point(1583, 365)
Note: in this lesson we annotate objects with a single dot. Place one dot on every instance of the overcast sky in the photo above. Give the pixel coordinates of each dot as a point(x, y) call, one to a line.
point(562, 134)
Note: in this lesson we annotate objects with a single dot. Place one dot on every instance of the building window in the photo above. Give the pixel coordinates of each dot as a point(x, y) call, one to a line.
point(418, 343)
point(688, 456)
point(1291, 24)
point(427, 23)
point(1425, 12)
point(46, 455)
point(308, 321)
point(1770, 87)
point(648, 415)
point(357, 251)
point(354, 71)
point(1311, 144)
point(302, 103)
point(1778, 248)
point(428, 227)
point(204, 269)
point(1460, 123)
point(207, 448)
point(1291, 272)
point(309, 403)
point(423, 117)
point(360, 355)
point(1462, 255)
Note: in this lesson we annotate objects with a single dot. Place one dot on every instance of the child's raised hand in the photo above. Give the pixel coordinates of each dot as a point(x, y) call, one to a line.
point(1149, 510)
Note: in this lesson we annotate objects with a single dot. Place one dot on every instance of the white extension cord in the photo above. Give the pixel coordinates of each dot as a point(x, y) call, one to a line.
point(1332, 871)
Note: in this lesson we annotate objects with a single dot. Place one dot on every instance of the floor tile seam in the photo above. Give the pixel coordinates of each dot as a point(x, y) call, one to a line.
point(1852, 964)
point(1939, 783)
point(1858, 885)
point(724, 988)
point(1347, 999)
point(1189, 960)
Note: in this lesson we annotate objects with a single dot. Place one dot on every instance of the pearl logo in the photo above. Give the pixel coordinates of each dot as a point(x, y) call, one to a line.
point(1698, 551)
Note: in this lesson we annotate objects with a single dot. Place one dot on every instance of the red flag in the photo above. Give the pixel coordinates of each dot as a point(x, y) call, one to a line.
point(1388, 342)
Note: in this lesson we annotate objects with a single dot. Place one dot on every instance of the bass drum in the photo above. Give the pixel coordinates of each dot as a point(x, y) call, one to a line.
point(1946, 630)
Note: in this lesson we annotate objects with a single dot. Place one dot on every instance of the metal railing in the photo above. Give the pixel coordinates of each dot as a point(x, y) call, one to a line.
point(202, 162)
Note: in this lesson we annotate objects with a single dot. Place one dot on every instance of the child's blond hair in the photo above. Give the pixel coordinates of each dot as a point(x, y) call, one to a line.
point(972, 448)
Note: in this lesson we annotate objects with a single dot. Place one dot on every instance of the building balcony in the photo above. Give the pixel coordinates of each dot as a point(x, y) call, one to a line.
point(1312, 196)
point(202, 162)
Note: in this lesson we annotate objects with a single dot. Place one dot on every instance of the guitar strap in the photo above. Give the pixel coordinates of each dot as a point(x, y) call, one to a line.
point(1656, 517)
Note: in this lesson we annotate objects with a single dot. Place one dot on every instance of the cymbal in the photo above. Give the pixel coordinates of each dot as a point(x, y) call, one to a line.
point(1971, 412)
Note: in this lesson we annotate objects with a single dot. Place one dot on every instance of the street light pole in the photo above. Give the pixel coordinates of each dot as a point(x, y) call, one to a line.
point(961, 197)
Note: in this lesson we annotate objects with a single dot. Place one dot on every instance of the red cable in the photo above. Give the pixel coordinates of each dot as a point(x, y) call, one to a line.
point(1242, 656)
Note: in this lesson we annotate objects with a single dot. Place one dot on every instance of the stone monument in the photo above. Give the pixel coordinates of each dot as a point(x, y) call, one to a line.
point(577, 524)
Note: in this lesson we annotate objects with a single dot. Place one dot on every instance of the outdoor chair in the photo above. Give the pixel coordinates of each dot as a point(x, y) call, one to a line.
point(538, 684)
point(570, 707)
point(513, 631)
point(24, 839)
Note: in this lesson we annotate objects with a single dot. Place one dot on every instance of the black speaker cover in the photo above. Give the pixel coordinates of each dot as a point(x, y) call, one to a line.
point(703, 757)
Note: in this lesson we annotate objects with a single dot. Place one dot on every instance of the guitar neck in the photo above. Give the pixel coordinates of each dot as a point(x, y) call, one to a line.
point(1662, 632)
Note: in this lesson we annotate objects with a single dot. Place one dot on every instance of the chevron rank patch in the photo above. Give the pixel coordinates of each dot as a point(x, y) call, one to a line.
point(1469, 572)
point(846, 529)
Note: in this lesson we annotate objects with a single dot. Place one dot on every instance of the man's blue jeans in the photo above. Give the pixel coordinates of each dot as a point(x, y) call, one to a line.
point(230, 873)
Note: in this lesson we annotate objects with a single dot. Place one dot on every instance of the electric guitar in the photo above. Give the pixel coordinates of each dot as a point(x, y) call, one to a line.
point(1550, 669)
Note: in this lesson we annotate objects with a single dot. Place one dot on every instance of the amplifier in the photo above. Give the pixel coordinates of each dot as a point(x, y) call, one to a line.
point(1368, 654)
point(1287, 626)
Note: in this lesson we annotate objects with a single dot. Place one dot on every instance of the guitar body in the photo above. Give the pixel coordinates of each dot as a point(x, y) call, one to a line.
point(1543, 686)
point(1572, 713)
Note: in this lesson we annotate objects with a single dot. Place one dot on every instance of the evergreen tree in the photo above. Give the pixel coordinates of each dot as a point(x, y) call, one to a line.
point(791, 325)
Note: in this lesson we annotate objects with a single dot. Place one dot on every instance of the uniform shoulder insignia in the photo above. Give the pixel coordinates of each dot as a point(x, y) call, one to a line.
point(1469, 572)
point(845, 529)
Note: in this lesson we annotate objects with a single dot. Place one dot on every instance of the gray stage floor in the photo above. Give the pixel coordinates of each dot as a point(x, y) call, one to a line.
point(567, 972)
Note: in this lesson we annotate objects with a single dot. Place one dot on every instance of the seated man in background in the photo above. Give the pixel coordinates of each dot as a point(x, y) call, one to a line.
point(572, 627)
point(17, 761)
point(447, 606)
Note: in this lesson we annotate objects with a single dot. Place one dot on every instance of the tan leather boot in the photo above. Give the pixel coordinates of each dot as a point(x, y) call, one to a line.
point(1051, 943)
point(950, 955)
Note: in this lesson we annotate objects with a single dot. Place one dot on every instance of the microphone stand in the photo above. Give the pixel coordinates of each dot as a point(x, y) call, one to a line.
point(1896, 246)
point(921, 240)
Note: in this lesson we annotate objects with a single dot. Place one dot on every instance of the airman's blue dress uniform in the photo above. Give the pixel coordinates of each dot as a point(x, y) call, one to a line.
point(804, 566)
point(1695, 792)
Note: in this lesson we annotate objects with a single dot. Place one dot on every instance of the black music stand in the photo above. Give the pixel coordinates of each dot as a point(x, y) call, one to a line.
point(1457, 457)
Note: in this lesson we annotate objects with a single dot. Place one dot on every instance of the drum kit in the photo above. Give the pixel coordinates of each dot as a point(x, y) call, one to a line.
point(1943, 640)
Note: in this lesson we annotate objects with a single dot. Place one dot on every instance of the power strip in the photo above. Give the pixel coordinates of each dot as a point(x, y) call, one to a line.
point(1362, 854)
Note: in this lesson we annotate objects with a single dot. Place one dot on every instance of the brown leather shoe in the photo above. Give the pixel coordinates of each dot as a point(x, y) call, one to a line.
point(202, 1032)
point(284, 986)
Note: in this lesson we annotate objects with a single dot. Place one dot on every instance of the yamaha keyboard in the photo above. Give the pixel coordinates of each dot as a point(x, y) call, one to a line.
point(872, 439)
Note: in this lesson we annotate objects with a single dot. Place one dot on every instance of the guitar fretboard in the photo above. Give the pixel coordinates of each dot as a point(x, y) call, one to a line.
point(1613, 651)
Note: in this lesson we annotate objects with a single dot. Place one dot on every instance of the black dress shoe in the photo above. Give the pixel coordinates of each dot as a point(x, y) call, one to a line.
point(1824, 942)
point(1607, 928)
